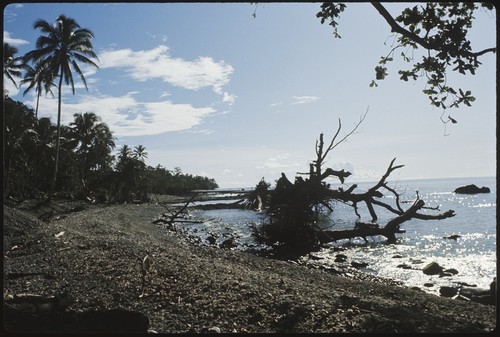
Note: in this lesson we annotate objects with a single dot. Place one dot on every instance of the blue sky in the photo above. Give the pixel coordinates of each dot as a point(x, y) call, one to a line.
point(210, 89)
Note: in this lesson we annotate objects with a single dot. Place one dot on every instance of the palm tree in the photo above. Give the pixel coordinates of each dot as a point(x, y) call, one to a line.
point(140, 153)
point(95, 142)
point(39, 78)
point(124, 153)
point(64, 44)
point(12, 65)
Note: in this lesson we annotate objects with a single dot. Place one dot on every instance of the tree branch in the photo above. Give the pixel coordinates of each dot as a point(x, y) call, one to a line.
point(395, 27)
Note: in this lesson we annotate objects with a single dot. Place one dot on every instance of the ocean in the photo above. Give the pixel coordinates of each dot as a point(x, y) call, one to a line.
point(472, 254)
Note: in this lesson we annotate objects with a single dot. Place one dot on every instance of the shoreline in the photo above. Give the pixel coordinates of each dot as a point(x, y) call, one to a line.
point(95, 255)
point(408, 267)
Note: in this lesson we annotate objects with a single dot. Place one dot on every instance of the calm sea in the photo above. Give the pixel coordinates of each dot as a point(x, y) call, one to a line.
point(472, 254)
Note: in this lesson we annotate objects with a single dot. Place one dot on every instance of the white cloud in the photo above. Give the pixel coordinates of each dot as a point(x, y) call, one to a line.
point(278, 162)
point(157, 63)
point(9, 87)
point(127, 117)
point(12, 41)
point(276, 104)
point(228, 98)
point(304, 99)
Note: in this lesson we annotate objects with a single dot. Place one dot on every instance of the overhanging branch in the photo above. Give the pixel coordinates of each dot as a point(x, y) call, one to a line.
point(395, 27)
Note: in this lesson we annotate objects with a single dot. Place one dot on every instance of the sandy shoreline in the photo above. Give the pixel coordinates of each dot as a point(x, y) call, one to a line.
point(95, 254)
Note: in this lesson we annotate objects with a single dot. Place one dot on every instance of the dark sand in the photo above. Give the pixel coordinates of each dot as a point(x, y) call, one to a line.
point(94, 254)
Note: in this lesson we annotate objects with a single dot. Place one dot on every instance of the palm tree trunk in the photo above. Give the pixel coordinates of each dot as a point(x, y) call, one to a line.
point(37, 101)
point(59, 103)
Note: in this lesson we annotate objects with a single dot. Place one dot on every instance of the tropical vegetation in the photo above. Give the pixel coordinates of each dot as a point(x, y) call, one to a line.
point(77, 160)
point(89, 169)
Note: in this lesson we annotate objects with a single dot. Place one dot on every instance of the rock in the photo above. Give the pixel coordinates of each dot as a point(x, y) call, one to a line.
point(229, 243)
point(472, 189)
point(493, 286)
point(211, 240)
point(452, 237)
point(432, 268)
point(452, 271)
point(404, 266)
point(470, 292)
point(340, 258)
point(214, 329)
point(480, 295)
point(359, 265)
point(446, 291)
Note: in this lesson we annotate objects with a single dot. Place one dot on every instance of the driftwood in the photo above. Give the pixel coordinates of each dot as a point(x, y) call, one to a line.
point(296, 206)
point(370, 198)
point(389, 230)
point(169, 219)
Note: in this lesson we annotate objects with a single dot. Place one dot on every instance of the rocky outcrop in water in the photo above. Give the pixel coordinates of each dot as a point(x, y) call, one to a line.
point(472, 189)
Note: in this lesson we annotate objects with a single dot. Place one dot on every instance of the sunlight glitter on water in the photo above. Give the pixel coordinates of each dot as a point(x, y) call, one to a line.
point(404, 262)
point(472, 254)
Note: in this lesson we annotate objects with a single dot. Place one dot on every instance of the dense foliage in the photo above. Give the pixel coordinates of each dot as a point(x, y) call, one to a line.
point(292, 225)
point(88, 167)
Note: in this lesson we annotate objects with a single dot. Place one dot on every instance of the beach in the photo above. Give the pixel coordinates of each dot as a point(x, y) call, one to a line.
point(93, 256)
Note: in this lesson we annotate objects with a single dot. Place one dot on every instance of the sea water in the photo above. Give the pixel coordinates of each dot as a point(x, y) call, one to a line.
point(472, 254)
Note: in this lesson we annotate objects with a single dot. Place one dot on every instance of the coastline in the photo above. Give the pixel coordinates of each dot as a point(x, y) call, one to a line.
point(95, 255)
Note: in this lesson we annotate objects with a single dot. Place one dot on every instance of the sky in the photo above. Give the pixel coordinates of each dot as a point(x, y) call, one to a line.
point(217, 92)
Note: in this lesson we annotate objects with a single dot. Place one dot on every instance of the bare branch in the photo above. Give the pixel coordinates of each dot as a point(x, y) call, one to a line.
point(362, 118)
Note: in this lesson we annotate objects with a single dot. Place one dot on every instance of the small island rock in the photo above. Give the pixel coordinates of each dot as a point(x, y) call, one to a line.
point(472, 189)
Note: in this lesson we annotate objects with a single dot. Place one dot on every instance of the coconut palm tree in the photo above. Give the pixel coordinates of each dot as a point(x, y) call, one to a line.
point(60, 50)
point(12, 65)
point(140, 153)
point(39, 78)
point(94, 143)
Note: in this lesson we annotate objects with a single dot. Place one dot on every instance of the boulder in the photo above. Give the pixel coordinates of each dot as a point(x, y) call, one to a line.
point(228, 243)
point(359, 265)
point(432, 268)
point(452, 237)
point(446, 291)
point(452, 271)
point(472, 189)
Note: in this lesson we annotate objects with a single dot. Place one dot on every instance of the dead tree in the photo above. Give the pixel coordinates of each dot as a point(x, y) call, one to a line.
point(295, 207)
point(370, 198)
